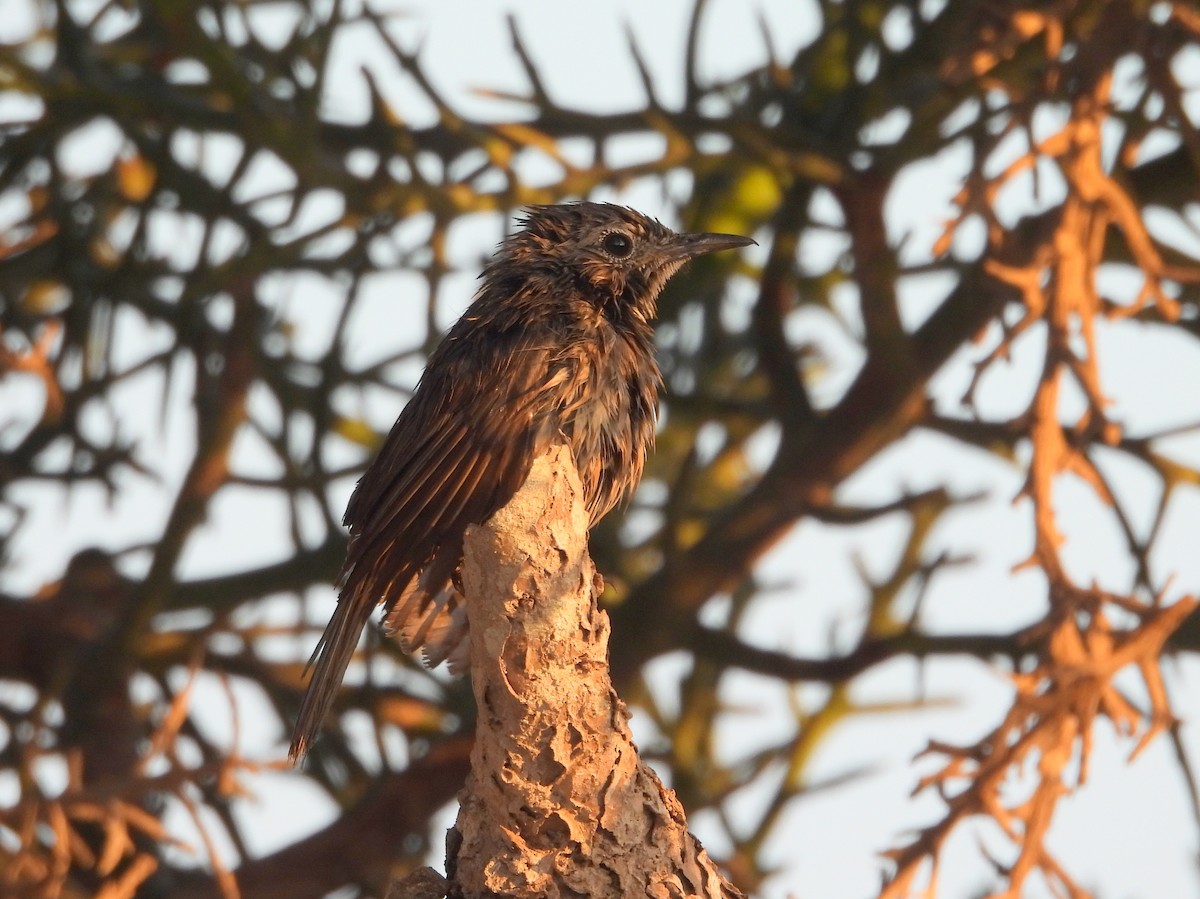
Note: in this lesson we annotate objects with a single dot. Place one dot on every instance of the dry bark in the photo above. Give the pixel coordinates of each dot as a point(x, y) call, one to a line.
point(558, 803)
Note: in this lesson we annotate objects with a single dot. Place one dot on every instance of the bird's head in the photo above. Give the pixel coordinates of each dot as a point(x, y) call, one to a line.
point(614, 256)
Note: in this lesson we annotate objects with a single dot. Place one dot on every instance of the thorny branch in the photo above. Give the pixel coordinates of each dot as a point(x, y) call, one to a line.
point(1049, 729)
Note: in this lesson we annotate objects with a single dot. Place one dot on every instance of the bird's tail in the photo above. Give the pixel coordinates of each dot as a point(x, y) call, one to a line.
point(329, 662)
point(429, 616)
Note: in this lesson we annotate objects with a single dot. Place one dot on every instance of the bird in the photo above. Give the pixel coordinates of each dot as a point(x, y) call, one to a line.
point(557, 345)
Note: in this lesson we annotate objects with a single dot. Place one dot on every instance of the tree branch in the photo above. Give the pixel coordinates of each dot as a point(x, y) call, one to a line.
point(359, 847)
point(558, 803)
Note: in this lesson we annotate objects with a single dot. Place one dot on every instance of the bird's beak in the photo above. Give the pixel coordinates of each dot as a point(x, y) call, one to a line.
point(690, 245)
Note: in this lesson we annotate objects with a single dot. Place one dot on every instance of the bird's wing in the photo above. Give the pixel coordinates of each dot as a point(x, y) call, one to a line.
point(460, 449)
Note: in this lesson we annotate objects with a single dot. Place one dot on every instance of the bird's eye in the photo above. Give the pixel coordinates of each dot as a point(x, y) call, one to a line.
point(617, 244)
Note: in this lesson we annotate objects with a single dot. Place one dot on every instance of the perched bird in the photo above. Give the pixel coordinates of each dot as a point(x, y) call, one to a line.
point(557, 345)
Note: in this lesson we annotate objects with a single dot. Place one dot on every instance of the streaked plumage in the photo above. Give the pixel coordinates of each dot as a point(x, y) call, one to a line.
point(558, 344)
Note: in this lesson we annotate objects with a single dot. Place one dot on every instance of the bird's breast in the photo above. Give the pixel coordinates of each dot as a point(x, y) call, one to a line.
point(608, 408)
